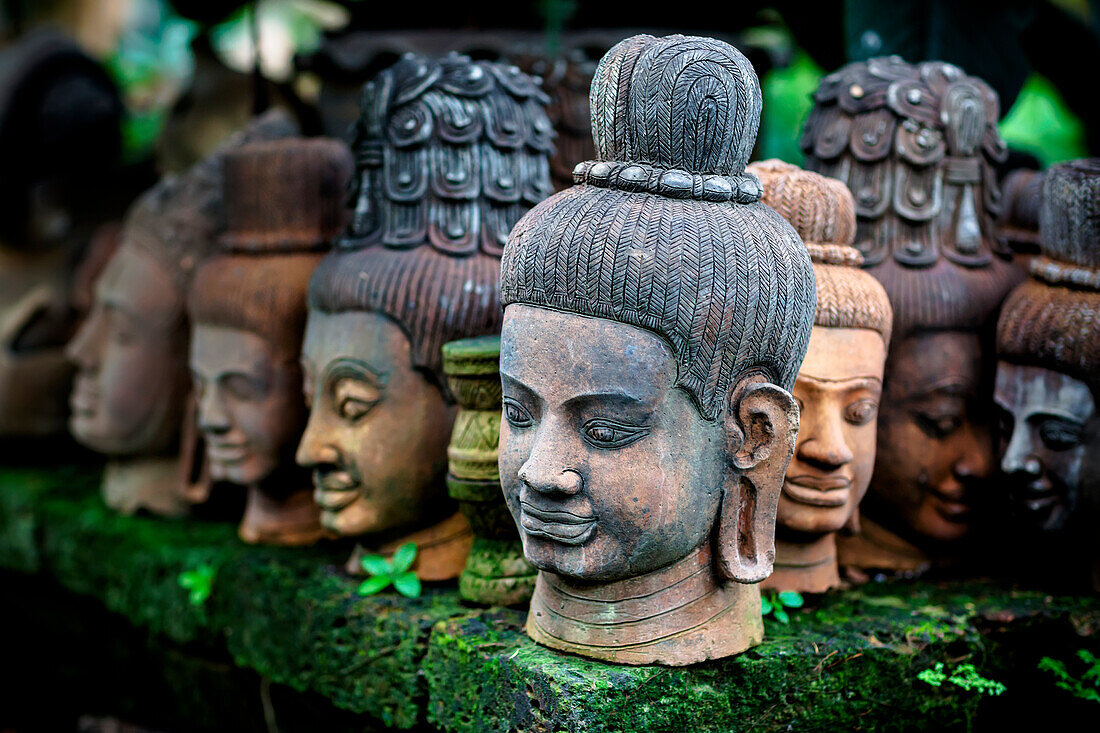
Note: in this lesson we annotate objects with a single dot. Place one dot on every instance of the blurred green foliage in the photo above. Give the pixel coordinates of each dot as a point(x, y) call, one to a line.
point(1040, 123)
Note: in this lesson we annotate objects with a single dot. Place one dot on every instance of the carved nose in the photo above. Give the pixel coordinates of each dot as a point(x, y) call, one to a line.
point(313, 450)
point(1019, 457)
point(825, 448)
point(566, 482)
point(213, 417)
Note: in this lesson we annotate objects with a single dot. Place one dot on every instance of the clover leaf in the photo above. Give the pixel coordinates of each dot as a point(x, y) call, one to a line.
point(395, 572)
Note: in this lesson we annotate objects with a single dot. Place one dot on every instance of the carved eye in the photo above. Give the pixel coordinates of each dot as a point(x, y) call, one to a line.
point(1058, 435)
point(861, 412)
point(243, 388)
point(938, 426)
point(354, 398)
point(516, 414)
point(612, 435)
point(352, 409)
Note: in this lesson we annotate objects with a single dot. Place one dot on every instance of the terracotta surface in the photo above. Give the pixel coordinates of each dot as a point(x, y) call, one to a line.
point(248, 310)
point(1048, 377)
point(449, 154)
point(132, 380)
point(917, 145)
point(645, 363)
point(839, 385)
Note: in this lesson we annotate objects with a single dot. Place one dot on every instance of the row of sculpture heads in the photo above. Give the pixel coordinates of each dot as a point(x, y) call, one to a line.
point(654, 320)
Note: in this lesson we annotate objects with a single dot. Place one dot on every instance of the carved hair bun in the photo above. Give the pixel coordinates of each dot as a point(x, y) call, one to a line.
point(1069, 216)
point(285, 195)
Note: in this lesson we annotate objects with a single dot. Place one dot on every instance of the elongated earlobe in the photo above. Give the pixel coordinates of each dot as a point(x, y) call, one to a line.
point(761, 426)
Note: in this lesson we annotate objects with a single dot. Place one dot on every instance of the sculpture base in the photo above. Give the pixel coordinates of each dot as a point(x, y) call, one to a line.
point(441, 549)
point(877, 548)
point(294, 519)
point(150, 484)
point(806, 567)
point(497, 574)
point(679, 615)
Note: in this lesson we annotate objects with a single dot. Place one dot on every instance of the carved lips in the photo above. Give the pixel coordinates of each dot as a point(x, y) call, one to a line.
point(334, 489)
point(822, 491)
point(558, 525)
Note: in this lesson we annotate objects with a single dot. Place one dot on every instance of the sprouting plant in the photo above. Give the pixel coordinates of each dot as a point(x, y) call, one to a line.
point(964, 676)
point(385, 572)
point(199, 582)
point(1087, 686)
point(776, 604)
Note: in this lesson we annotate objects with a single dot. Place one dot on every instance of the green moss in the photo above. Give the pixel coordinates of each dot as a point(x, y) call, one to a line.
point(848, 660)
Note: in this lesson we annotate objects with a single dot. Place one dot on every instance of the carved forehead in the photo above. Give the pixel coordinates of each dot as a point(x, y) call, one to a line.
point(1025, 389)
point(362, 336)
point(949, 360)
point(562, 355)
point(837, 354)
point(219, 350)
point(135, 282)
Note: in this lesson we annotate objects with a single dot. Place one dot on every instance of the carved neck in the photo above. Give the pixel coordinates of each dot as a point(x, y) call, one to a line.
point(441, 549)
point(151, 483)
point(877, 548)
point(280, 518)
point(680, 614)
point(806, 567)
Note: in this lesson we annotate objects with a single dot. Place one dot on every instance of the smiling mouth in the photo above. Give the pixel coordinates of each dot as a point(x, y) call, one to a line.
point(227, 454)
point(560, 526)
point(819, 491)
point(952, 510)
point(1038, 496)
point(334, 490)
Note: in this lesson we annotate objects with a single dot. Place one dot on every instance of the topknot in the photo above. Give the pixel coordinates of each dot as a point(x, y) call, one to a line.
point(1069, 215)
point(676, 116)
point(666, 231)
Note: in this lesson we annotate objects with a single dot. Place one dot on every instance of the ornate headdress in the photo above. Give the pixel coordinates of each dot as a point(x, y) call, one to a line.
point(916, 145)
point(1053, 319)
point(665, 230)
point(449, 154)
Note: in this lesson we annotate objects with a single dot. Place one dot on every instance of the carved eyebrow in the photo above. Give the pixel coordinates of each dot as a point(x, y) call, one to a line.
point(868, 380)
point(345, 368)
point(613, 396)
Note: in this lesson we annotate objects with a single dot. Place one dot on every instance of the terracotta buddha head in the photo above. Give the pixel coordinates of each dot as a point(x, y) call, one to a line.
point(449, 154)
point(60, 181)
point(838, 388)
point(1048, 374)
point(916, 145)
point(247, 304)
point(655, 317)
point(131, 388)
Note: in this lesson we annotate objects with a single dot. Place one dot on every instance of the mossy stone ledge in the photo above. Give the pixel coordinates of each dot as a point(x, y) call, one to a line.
point(849, 660)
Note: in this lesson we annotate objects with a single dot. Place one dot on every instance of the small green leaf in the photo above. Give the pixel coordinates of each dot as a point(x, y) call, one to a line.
point(791, 599)
point(376, 565)
point(407, 584)
point(781, 615)
point(372, 585)
point(404, 556)
point(765, 606)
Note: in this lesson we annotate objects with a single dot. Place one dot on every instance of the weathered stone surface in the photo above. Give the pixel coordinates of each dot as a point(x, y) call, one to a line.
point(849, 660)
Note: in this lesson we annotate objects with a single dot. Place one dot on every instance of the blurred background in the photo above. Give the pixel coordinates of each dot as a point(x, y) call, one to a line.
point(189, 71)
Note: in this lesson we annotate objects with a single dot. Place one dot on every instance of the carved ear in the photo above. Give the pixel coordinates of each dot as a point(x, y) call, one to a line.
point(761, 425)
